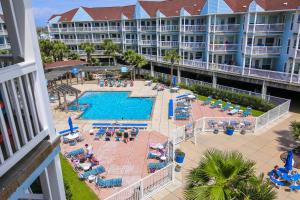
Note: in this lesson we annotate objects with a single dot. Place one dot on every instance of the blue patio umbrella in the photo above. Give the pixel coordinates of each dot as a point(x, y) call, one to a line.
point(289, 161)
point(74, 71)
point(70, 124)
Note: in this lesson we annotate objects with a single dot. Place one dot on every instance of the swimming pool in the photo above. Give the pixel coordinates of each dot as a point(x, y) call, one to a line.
point(114, 106)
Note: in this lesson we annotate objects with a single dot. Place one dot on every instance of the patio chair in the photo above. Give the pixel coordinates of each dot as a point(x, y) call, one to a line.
point(226, 107)
point(152, 155)
point(247, 112)
point(276, 182)
point(216, 104)
point(295, 187)
point(108, 183)
point(73, 142)
point(182, 116)
point(156, 166)
point(207, 101)
point(99, 134)
point(74, 153)
point(65, 140)
point(95, 171)
point(101, 83)
point(234, 110)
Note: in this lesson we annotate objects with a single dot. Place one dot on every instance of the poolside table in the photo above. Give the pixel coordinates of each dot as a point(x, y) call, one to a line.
point(91, 178)
point(72, 136)
point(85, 166)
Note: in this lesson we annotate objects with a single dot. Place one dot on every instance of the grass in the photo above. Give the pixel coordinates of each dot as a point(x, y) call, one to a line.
point(255, 113)
point(78, 188)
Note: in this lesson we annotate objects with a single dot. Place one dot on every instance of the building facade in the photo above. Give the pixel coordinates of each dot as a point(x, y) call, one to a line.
point(261, 34)
point(4, 42)
point(29, 146)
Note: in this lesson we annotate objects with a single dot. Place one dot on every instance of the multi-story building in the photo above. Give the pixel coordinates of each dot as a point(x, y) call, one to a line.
point(29, 146)
point(4, 42)
point(253, 36)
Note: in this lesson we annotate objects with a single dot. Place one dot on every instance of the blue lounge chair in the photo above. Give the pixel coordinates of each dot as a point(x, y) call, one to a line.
point(100, 133)
point(207, 101)
point(226, 107)
point(107, 183)
point(247, 112)
point(182, 116)
point(275, 181)
point(235, 110)
point(156, 166)
point(216, 103)
point(67, 131)
point(96, 171)
point(74, 153)
point(101, 83)
point(152, 156)
point(295, 187)
point(183, 96)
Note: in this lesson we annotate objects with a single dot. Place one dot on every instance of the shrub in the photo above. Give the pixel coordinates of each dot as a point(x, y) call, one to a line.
point(67, 191)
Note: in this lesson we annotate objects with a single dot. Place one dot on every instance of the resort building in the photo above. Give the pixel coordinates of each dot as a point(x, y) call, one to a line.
point(29, 147)
point(4, 42)
point(249, 37)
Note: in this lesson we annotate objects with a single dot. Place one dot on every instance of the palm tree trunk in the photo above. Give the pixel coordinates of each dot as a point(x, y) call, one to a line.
point(109, 61)
point(115, 63)
point(172, 72)
point(134, 73)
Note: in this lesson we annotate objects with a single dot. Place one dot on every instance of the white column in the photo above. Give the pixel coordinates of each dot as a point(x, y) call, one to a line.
point(178, 75)
point(214, 80)
point(264, 90)
point(252, 42)
point(246, 24)
point(208, 41)
point(152, 69)
point(296, 50)
point(45, 184)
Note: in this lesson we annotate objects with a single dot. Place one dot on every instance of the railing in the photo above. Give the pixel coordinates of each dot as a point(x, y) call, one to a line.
point(68, 29)
point(193, 45)
point(150, 57)
point(148, 28)
point(193, 28)
point(129, 28)
point(266, 27)
point(20, 121)
point(100, 29)
point(116, 40)
point(3, 32)
point(223, 47)
point(166, 28)
point(115, 28)
point(238, 70)
point(147, 186)
point(225, 28)
point(148, 42)
point(169, 43)
point(83, 29)
point(130, 41)
point(97, 40)
point(4, 46)
point(259, 50)
point(54, 29)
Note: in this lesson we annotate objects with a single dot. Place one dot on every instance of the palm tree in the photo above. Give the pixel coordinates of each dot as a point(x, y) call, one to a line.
point(295, 127)
point(89, 48)
point(140, 61)
point(110, 49)
point(46, 46)
point(74, 56)
point(218, 176)
point(129, 57)
point(173, 57)
point(59, 51)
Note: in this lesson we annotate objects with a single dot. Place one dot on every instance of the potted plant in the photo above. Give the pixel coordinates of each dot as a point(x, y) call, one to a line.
point(177, 168)
point(179, 156)
point(243, 131)
point(229, 130)
point(216, 131)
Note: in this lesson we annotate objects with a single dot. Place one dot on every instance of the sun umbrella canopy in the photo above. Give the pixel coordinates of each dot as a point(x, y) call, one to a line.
point(289, 161)
point(70, 124)
point(191, 96)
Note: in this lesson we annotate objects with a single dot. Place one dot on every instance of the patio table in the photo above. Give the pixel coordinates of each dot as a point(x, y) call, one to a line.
point(72, 136)
point(85, 166)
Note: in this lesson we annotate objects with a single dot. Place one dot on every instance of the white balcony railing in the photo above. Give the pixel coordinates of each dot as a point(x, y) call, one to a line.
point(148, 28)
point(150, 57)
point(129, 28)
point(169, 43)
point(266, 27)
point(148, 42)
point(262, 50)
point(193, 28)
point(298, 53)
point(167, 28)
point(4, 46)
point(192, 45)
point(83, 29)
point(68, 29)
point(116, 40)
point(225, 28)
point(3, 32)
point(223, 47)
point(130, 41)
point(54, 30)
point(100, 29)
point(115, 28)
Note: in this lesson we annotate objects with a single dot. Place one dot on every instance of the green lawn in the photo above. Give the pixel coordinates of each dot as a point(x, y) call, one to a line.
point(78, 188)
point(255, 113)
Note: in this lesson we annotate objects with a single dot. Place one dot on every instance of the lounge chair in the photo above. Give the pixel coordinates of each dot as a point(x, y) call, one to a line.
point(183, 96)
point(295, 187)
point(226, 107)
point(96, 171)
point(152, 155)
point(101, 83)
point(216, 103)
point(182, 116)
point(156, 146)
point(235, 110)
point(74, 153)
point(247, 112)
point(156, 166)
point(275, 181)
point(207, 101)
point(100, 133)
point(107, 183)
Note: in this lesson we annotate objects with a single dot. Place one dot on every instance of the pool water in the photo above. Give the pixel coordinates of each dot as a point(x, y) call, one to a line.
point(114, 106)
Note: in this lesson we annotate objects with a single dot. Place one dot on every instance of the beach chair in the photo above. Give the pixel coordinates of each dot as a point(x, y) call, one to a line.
point(74, 153)
point(156, 166)
point(96, 171)
point(101, 83)
point(226, 107)
point(152, 155)
point(234, 110)
point(295, 187)
point(207, 101)
point(216, 103)
point(275, 181)
point(247, 112)
point(182, 116)
point(108, 183)
point(100, 133)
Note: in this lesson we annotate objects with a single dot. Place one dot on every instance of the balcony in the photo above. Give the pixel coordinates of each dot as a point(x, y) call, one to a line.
point(225, 28)
point(148, 42)
point(148, 28)
point(83, 29)
point(150, 57)
point(169, 28)
point(192, 45)
point(68, 29)
point(263, 50)
point(115, 28)
point(3, 32)
point(54, 30)
point(193, 28)
point(100, 29)
point(169, 44)
point(130, 41)
point(223, 47)
point(116, 40)
point(4, 46)
point(266, 27)
point(129, 28)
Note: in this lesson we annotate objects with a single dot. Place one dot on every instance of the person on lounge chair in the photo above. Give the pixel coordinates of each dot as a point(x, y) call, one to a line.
point(89, 151)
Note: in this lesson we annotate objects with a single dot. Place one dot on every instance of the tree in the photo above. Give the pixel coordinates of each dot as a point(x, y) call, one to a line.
point(59, 51)
point(129, 57)
point(227, 176)
point(46, 47)
point(295, 128)
point(74, 56)
point(89, 48)
point(140, 61)
point(173, 57)
point(110, 49)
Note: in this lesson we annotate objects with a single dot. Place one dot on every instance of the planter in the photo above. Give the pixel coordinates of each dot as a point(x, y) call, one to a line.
point(229, 131)
point(177, 168)
point(179, 158)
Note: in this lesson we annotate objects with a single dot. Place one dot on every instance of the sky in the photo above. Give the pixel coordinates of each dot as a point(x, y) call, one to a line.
point(43, 9)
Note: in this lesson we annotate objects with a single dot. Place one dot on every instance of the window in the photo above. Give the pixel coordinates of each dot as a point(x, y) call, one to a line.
point(249, 41)
point(292, 22)
point(198, 56)
point(288, 48)
point(267, 63)
point(256, 64)
point(231, 20)
point(270, 41)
